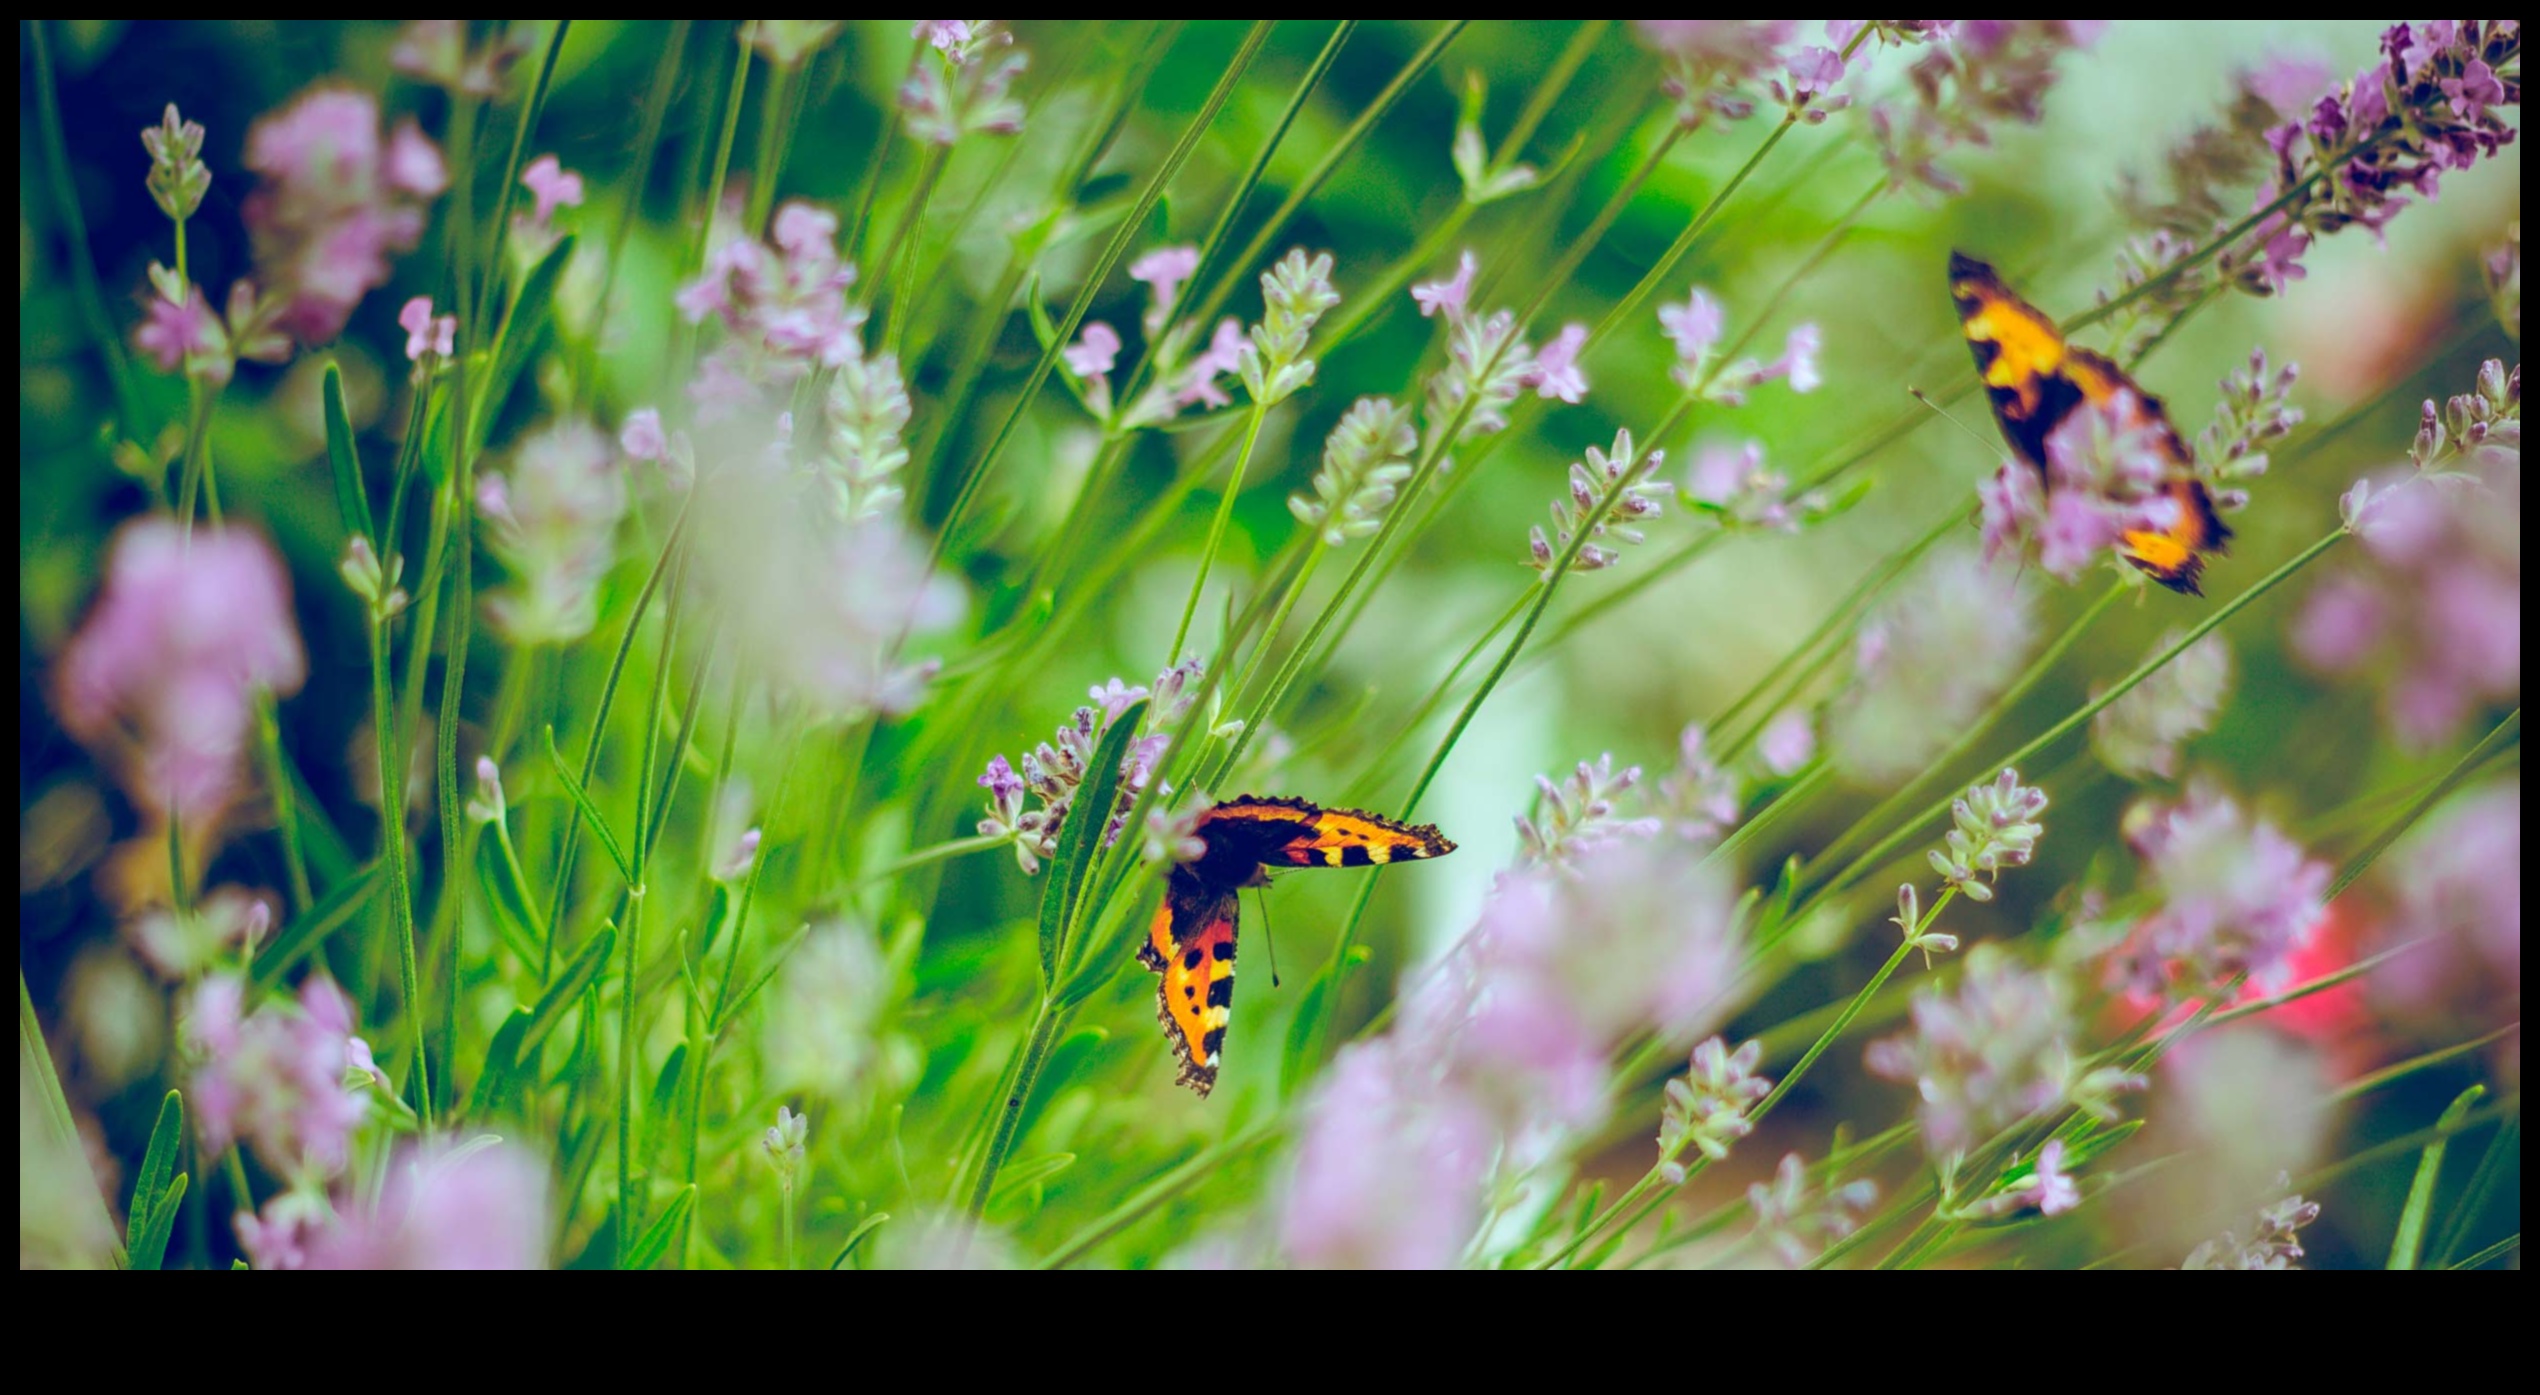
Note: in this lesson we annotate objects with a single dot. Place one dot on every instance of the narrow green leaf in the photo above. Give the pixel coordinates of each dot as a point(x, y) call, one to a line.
point(522, 322)
point(1080, 838)
point(650, 1247)
point(333, 912)
point(560, 995)
point(661, 1114)
point(502, 1065)
point(1038, 313)
point(718, 909)
point(151, 1249)
point(2405, 1246)
point(351, 498)
point(1302, 1030)
point(590, 812)
point(855, 1237)
point(509, 899)
point(156, 1164)
point(2492, 1253)
point(1024, 1174)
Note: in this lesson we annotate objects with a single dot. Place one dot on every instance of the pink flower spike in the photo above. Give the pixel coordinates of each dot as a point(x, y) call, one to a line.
point(1799, 359)
point(1096, 349)
point(1555, 371)
point(424, 334)
point(414, 163)
point(1163, 271)
point(170, 334)
point(1449, 296)
point(947, 35)
point(642, 435)
point(552, 185)
point(1694, 326)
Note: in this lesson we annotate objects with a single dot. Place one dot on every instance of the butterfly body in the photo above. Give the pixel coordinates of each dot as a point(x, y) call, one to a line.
point(1191, 942)
point(2036, 380)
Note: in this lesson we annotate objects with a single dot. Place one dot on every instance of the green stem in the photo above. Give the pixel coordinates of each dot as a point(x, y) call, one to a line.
point(1217, 531)
point(1026, 1074)
point(392, 838)
point(2504, 732)
point(639, 172)
point(286, 813)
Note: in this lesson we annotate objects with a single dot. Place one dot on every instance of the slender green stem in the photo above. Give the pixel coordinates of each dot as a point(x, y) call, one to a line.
point(500, 234)
point(628, 1219)
point(958, 847)
point(1027, 1073)
point(2503, 733)
point(787, 1188)
point(902, 242)
point(775, 133)
point(639, 172)
point(286, 814)
point(392, 839)
point(1973, 731)
point(1217, 531)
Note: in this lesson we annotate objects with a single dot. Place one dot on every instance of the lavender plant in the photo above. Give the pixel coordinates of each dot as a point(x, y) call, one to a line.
point(535, 555)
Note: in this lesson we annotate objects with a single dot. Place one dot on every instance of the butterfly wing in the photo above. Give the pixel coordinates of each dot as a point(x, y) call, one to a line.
point(1192, 944)
point(2035, 379)
point(1293, 833)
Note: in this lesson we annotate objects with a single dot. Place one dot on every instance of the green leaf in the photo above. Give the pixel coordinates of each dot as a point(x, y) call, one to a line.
point(1038, 313)
point(351, 499)
point(590, 812)
point(156, 1164)
point(718, 909)
point(855, 1237)
point(1080, 838)
point(2410, 1240)
point(331, 913)
point(656, 1240)
point(152, 1248)
point(1301, 1031)
point(559, 997)
point(661, 1115)
point(509, 899)
point(1030, 1173)
point(502, 1065)
point(522, 321)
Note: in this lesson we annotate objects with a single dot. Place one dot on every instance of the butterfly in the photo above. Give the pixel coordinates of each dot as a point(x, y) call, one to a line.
point(2036, 380)
point(1192, 942)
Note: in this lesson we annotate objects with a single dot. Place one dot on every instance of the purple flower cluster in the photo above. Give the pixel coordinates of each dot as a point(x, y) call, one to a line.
point(1695, 329)
point(2273, 1241)
point(1365, 460)
point(182, 944)
point(278, 1076)
point(2435, 613)
point(480, 1205)
point(1578, 815)
point(1926, 663)
point(161, 679)
point(1489, 360)
point(1053, 770)
point(2455, 883)
point(552, 519)
point(2140, 734)
point(1706, 1107)
point(2237, 897)
point(1389, 1166)
point(1737, 490)
point(1995, 1050)
point(959, 84)
point(783, 304)
point(1995, 826)
point(1798, 1220)
point(1610, 494)
point(1712, 65)
point(337, 200)
point(1973, 74)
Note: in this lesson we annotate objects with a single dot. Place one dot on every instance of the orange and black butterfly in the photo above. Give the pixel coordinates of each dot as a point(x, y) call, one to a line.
point(1192, 943)
point(2036, 380)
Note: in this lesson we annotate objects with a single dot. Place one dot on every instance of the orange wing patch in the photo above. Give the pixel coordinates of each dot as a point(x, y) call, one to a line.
point(1192, 944)
point(2035, 380)
point(1308, 835)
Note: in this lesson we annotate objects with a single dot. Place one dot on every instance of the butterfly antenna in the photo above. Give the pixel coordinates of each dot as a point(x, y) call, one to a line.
point(1269, 941)
point(1972, 433)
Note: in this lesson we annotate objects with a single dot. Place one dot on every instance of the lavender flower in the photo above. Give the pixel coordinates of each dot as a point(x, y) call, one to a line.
point(2109, 472)
point(1365, 459)
point(1488, 362)
point(1578, 815)
point(184, 944)
point(1052, 772)
point(552, 519)
point(2043, 1187)
point(160, 680)
point(2237, 896)
point(1701, 800)
point(1695, 328)
point(783, 304)
point(275, 1075)
point(2455, 883)
point(1788, 742)
point(178, 177)
point(1706, 1108)
point(1710, 62)
point(2435, 613)
point(551, 186)
point(1090, 358)
point(1163, 271)
point(1927, 662)
point(480, 1205)
point(961, 87)
point(336, 201)
point(180, 332)
point(436, 51)
point(783, 1144)
point(1992, 1052)
point(1484, 182)
point(2273, 1241)
point(1997, 827)
point(1294, 295)
point(2255, 412)
point(1448, 296)
point(1555, 375)
point(1973, 75)
point(1609, 493)
point(427, 335)
point(1797, 1220)
point(2139, 735)
point(868, 412)
point(1389, 1166)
